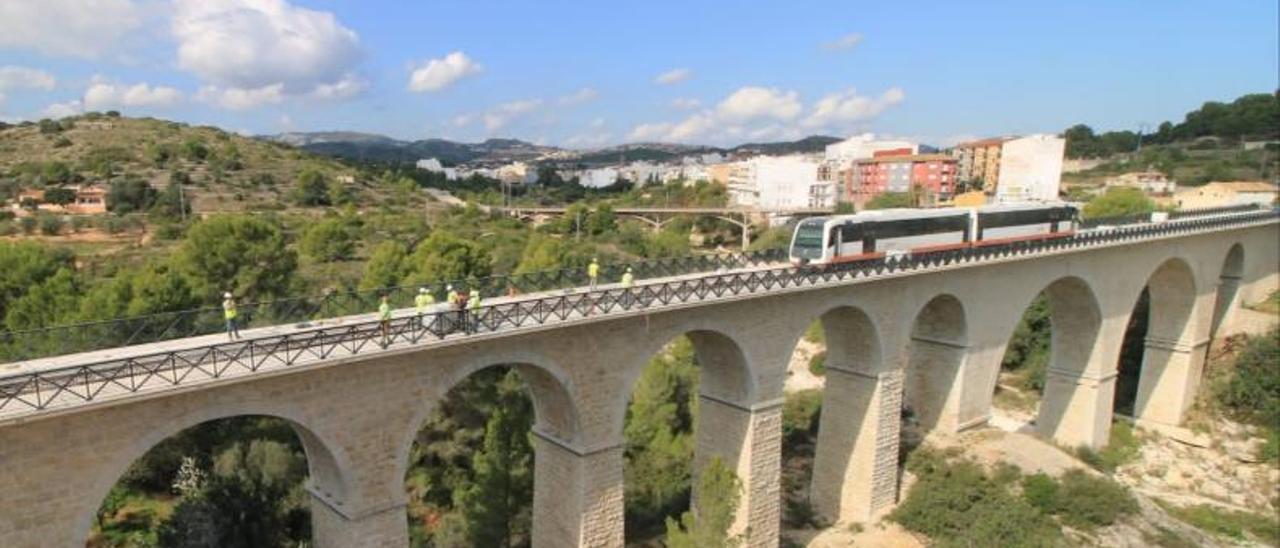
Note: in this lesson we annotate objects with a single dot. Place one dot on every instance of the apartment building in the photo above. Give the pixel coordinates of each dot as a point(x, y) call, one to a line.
point(979, 161)
point(1030, 169)
point(931, 175)
point(779, 182)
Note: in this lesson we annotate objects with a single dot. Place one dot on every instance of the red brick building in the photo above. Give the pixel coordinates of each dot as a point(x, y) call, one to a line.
point(933, 175)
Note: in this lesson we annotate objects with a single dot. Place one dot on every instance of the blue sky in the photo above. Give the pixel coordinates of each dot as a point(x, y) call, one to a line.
point(586, 74)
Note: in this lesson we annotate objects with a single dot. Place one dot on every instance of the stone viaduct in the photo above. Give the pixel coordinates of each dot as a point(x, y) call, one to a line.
point(930, 340)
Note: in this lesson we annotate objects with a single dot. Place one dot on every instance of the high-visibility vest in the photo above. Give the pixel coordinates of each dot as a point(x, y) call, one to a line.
point(452, 297)
point(384, 312)
point(422, 301)
point(627, 279)
point(593, 270)
point(474, 301)
point(229, 309)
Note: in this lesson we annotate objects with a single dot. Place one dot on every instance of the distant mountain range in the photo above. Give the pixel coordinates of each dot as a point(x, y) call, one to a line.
point(380, 148)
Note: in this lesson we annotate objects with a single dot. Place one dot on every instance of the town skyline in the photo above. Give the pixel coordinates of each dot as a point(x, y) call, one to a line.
point(646, 74)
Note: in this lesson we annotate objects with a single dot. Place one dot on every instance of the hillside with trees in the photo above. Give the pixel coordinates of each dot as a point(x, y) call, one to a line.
point(139, 158)
point(1253, 117)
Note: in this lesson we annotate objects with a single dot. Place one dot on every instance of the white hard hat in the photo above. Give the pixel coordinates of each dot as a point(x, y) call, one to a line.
point(226, 295)
point(422, 290)
point(450, 286)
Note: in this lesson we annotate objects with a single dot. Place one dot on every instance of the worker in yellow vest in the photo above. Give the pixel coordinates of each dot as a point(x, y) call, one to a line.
point(230, 314)
point(473, 307)
point(628, 279)
point(422, 304)
point(384, 317)
point(593, 272)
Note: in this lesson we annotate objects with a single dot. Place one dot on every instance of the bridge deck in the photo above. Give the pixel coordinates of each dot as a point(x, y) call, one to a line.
point(64, 383)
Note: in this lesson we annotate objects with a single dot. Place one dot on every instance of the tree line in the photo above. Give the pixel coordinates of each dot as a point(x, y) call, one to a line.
point(1250, 117)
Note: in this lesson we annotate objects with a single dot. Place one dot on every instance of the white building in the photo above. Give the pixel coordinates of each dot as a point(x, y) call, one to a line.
point(1030, 169)
point(430, 164)
point(865, 146)
point(598, 178)
point(1151, 182)
point(779, 182)
point(433, 165)
point(518, 173)
point(642, 173)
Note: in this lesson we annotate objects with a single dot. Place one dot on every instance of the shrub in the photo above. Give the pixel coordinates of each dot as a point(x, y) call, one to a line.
point(28, 224)
point(956, 504)
point(1252, 393)
point(1080, 500)
point(50, 225)
point(800, 412)
point(815, 333)
point(1123, 446)
point(1229, 523)
point(818, 364)
point(62, 142)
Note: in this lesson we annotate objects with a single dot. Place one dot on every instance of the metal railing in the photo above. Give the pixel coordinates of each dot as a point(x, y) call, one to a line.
point(96, 335)
point(30, 392)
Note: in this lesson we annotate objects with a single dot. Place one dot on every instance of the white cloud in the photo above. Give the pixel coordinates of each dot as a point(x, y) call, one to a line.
point(596, 123)
point(499, 116)
point(438, 74)
point(584, 95)
point(77, 28)
point(758, 113)
point(102, 94)
point(684, 103)
point(673, 76)
point(15, 77)
point(241, 98)
point(462, 120)
point(348, 86)
point(847, 41)
point(62, 110)
point(847, 106)
point(588, 139)
point(751, 103)
point(252, 52)
point(650, 132)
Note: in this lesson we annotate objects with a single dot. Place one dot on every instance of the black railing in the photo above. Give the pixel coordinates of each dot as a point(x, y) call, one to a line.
point(24, 393)
point(112, 333)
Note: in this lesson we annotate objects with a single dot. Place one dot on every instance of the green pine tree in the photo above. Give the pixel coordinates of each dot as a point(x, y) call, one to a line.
point(496, 504)
point(707, 526)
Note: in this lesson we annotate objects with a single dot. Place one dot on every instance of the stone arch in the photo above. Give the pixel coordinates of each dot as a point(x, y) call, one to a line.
point(848, 433)
point(1229, 279)
point(327, 462)
point(556, 433)
point(727, 414)
point(725, 371)
point(1171, 357)
point(853, 341)
point(934, 356)
point(550, 387)
point(1075, 319)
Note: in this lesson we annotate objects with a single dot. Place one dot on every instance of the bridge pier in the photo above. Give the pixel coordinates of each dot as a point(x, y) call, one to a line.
point(1076, 408)
point(1171, 372)
point(383, 526)
point(748, 439)
point(577, 493)
point(855, 469)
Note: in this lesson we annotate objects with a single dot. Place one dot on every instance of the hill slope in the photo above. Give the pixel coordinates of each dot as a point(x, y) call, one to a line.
point(227, 171)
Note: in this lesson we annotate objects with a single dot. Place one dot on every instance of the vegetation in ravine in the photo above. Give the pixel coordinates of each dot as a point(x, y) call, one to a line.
point(958, 502)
